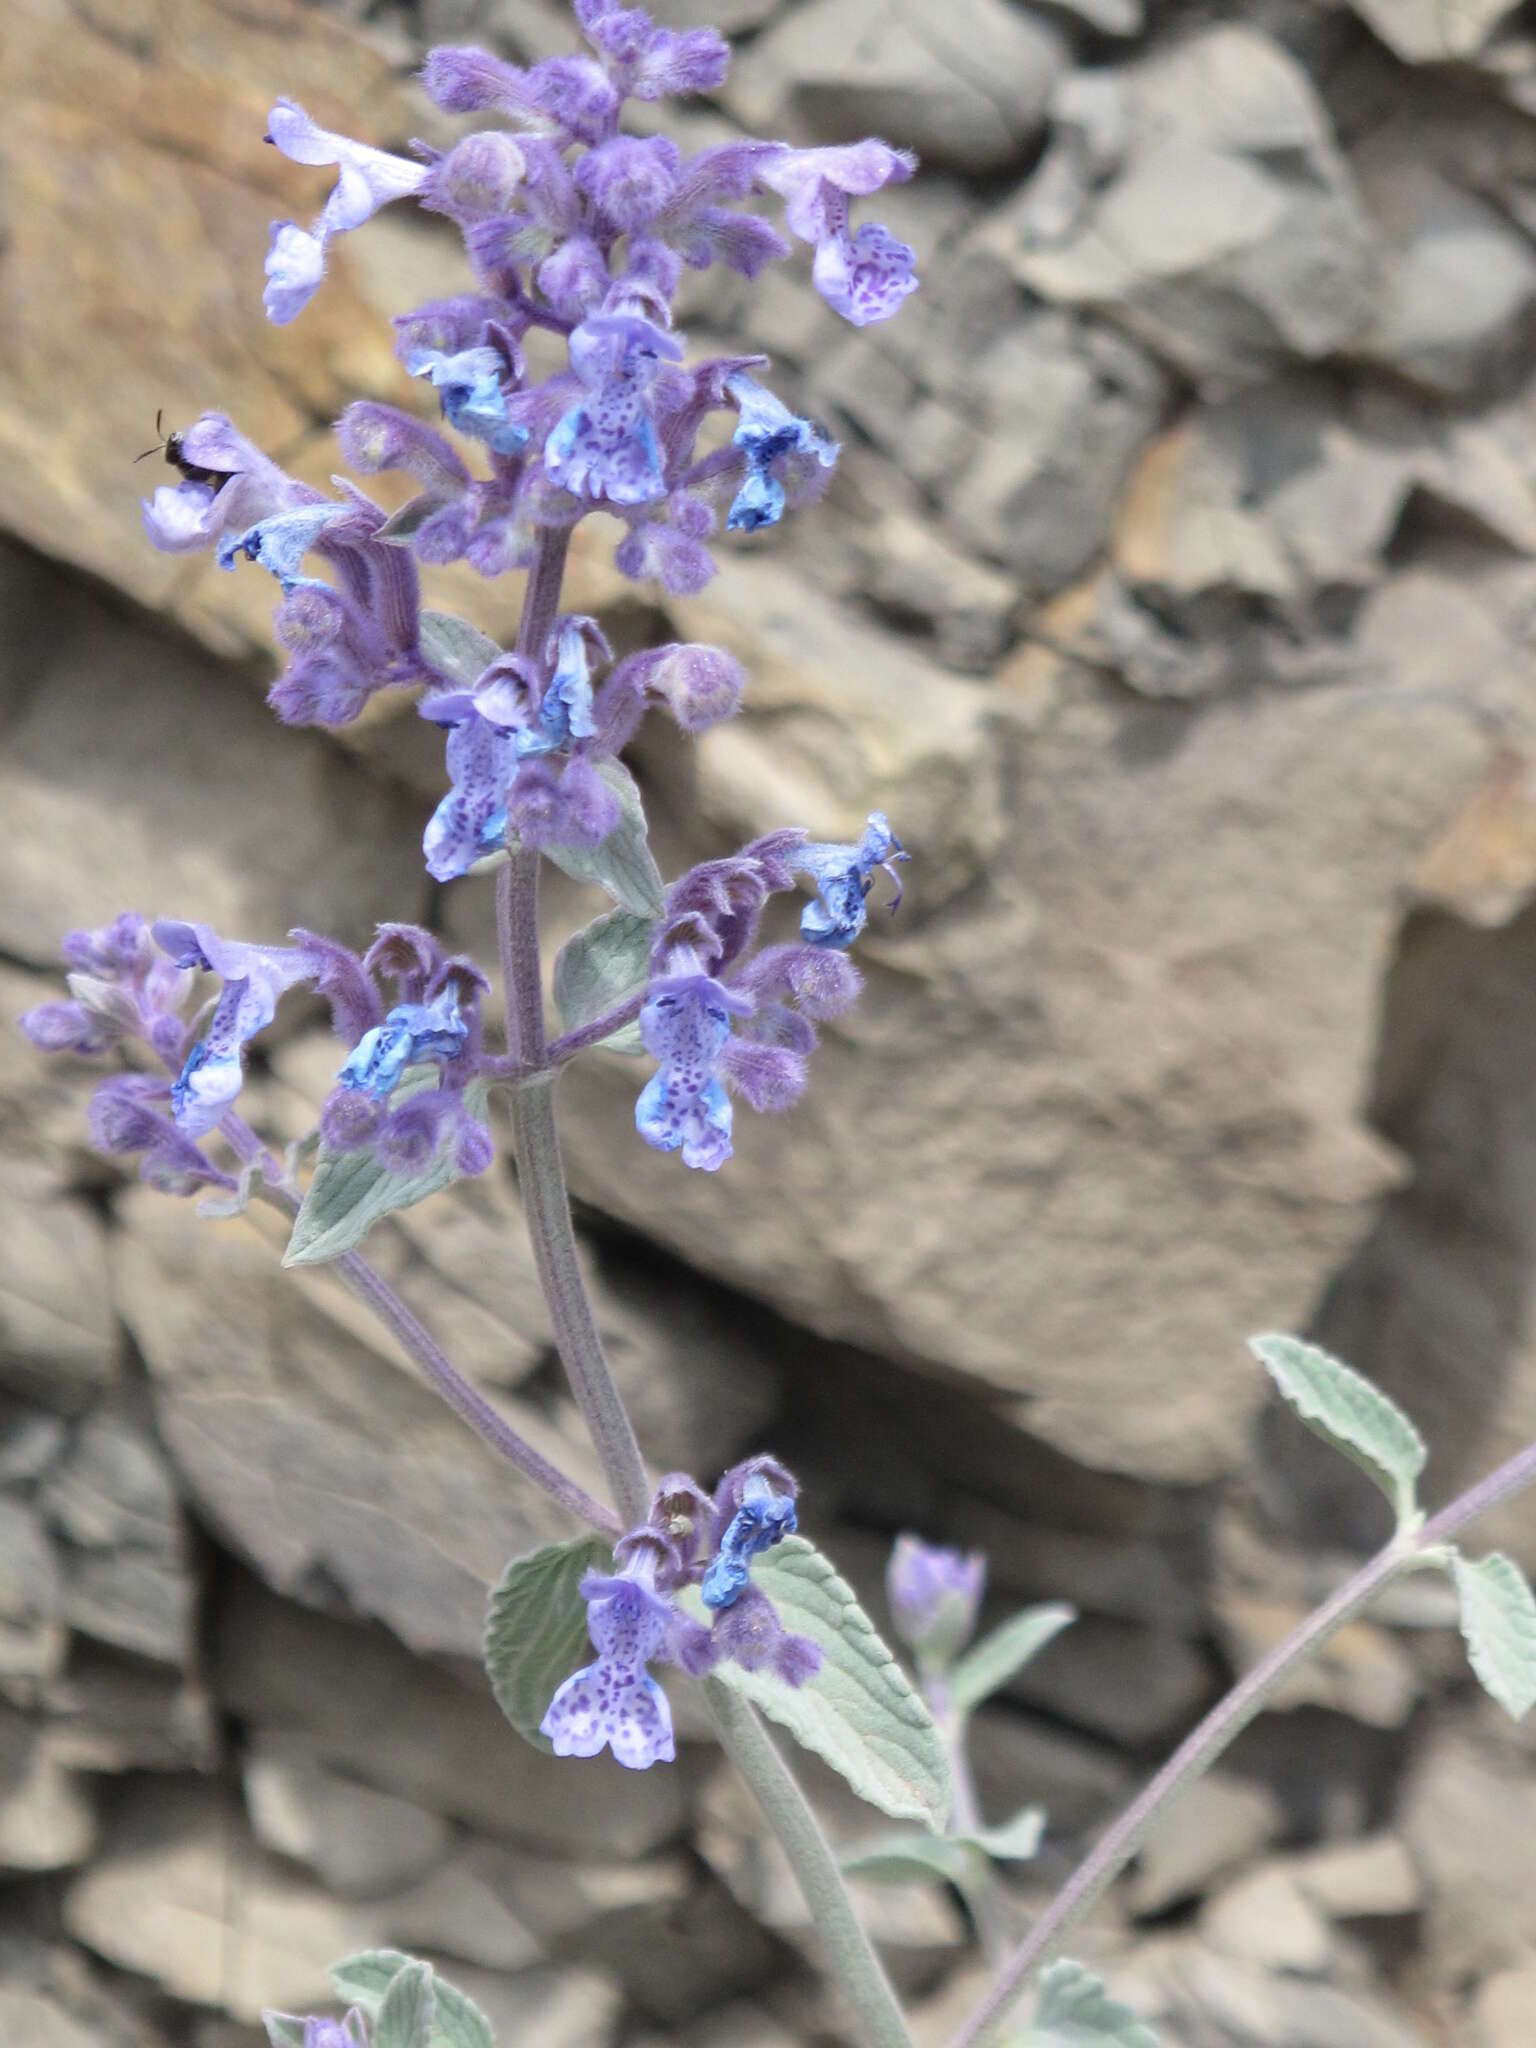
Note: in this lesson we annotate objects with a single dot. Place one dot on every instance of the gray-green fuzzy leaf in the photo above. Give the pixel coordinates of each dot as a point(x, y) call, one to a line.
point(602, 966)
point(365, 1978)
point(1498, 1621)
point(622, 864)
point(455, 646)
point(1000, 1655)
point(1342, 1407)
point(400, 528)
point(406, 2009)
point(350, 1191)
point(536, 1629)
point(284, 2029)
point(859, 1713)
point(951, 1859)
point(1017, 1840)
point(914, 1859)
point(1075, 2011)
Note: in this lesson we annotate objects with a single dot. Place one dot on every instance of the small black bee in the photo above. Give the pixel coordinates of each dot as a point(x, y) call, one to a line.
point(193, 472)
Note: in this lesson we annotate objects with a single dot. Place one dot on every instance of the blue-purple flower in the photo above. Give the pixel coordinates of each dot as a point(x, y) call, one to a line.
point(367, 179)
point(319, 2031)
point(470, 384)
point(934, 1596)
point(606, 446)
point(410, 1034)
point(765, 1517)
point(614, 1703)
point(864, 275)
point(844, 876)
point(770, 436)
point(254, 977)
point(685, 1024)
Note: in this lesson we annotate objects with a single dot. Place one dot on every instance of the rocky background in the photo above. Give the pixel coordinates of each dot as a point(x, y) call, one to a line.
point(1177, 597)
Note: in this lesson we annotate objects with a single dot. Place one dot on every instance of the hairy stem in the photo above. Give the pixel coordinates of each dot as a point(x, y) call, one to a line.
point(1221, 1726)
point(877, 2013)
point(981, 1892)
point(465, 1400)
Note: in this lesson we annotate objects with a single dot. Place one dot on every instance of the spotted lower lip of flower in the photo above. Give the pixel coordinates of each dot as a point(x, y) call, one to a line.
point(470, 386)
point(367, 179)
point(769, 434)
point(614, 1703)
point(410, 1034)
point(844, 876)
point(471, 820)
point(864, 276)
point(685, 1024)
point(606, 447)
point(254, 977)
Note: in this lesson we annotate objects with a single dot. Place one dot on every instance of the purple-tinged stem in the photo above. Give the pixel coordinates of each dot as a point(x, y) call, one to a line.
point(510, 1067)
point(465, 1400)
point(1226, 1720)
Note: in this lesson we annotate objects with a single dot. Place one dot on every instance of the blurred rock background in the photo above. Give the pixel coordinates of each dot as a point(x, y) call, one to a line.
point(1177, 597)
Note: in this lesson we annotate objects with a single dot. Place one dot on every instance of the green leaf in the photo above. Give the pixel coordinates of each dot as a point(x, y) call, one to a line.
point(859, 1713)
point(997, 1657)
point(284, 2029)
point(536, 1629)
point(1342, 1407)
point(601, 967)
point(350, 1191)
point(1017, 1840)
point(365, 1979)
point(455, 646)
point(406, 2009)
point(1498, 1620)
point(623, 863)
point(1075, 2011)
point(952, 1859)
point(914, 1858)
point(401, 526)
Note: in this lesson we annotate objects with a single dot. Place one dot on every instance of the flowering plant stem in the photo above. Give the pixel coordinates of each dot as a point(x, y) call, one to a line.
point(1410, 1550)
point(466, 1401)
point(541, 1176)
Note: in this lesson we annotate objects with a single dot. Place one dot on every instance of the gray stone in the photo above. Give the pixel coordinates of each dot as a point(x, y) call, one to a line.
point(1021, 1761)
point(408, 1727)
point(1219, 1824)
point(1231, 237)
point(1501, 2011)
point(457, 1911)
point(563, 2006)
point(109, 1713)
point(1372, 1879)
point(58, 1340)
point(966, 86)
point(149, 827)
point(47, 1821)
point(1206, 2001)
point(1468, 1812)
point(182, 1895)
point(1458, 281)
point(358, 1841)
point(1267, 1919)
point(311, 1445)
point(1132, 1684)
point(1428, 32)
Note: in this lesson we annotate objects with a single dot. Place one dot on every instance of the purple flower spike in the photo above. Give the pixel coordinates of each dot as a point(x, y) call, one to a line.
point(630, 179)
point(279, 543)
point(606, 447)
point(565, 710)
point(369, 178)
point(770, 436)
point(254, 977)
point(863, 276)
point(934, 1597)
point(765, 1517)
point(614, 1703)
point(685, 1025)
point(843, 876)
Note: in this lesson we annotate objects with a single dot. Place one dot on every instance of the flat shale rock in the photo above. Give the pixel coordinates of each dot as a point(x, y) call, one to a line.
point(58, 1341)
point(966, 85)
point(365, 1706)
point(1230, 237)
point(310, 1444)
